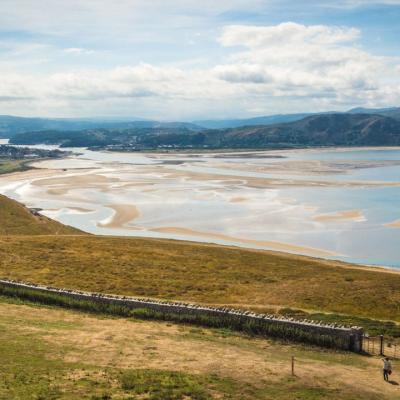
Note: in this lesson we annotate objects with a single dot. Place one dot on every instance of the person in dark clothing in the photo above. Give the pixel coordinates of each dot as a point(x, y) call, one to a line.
point(387, 368)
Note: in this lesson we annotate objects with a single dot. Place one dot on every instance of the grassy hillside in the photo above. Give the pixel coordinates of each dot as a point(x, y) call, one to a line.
point(10, 125)
point(51, 353)
point(201, 273)
point(15, 219)
point(37, 249)
point(331, 129)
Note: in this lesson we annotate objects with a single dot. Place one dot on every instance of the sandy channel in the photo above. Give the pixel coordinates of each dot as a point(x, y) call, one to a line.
point(273, 245)
point(349, 215)
point(123, 214)
point(394, 224)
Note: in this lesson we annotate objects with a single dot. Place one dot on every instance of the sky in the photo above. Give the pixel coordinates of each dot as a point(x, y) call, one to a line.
point(190, 59)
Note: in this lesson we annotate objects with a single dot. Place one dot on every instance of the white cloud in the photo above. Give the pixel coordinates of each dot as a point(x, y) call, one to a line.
point(281, 68)
point(291, 59)
point(285, 33)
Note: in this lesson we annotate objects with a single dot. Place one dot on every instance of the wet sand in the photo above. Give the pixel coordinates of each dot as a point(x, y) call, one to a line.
point(394, 224)
point(304, 167)
point(256, 182)
point(123, 214)
point(234, 202)
point(278, 246)
point(350, 215)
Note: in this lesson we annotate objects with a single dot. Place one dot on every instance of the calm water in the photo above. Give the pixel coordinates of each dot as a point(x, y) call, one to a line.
point(237, 200)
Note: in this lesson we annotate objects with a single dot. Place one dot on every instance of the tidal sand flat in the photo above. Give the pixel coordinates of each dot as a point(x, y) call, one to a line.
point(123, 215)
point(286, 247)
point(394, 224)
point(327, 203)
point(355, 215)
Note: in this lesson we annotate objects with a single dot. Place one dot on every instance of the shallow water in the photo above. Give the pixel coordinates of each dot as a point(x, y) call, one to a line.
point(247, 200)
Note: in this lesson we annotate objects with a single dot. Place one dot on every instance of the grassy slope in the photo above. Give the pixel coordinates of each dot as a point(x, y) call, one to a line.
point(187, 271)
point(50, 353)
point(201, 273)
point(15, 219)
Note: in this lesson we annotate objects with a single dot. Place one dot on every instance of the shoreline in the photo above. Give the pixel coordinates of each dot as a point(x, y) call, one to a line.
point(122, 214)
point(324, 260)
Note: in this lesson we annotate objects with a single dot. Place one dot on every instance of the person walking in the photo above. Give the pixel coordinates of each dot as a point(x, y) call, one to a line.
point(387, 368)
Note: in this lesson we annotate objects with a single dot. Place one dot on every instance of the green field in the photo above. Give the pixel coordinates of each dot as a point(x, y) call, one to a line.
point(7, 166)
point(49, 353)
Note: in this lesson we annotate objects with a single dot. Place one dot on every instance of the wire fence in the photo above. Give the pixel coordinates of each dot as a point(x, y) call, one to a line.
point(381, 346)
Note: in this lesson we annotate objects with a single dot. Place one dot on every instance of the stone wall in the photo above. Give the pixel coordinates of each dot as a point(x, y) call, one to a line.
point(342, 337)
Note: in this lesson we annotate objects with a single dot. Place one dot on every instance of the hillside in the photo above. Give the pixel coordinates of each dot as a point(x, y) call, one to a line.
point(393, 112)
point(321, 130)
point(77, 355)
point(317, 130)
point(262, 280)
point(10, 125)
point(98, 137)
point(263, 120)
point(15, 219)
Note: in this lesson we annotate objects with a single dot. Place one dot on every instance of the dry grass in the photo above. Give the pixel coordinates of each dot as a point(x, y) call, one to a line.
point(81, 355)
point(201, 273)
point(40, 250)
point(15, 219)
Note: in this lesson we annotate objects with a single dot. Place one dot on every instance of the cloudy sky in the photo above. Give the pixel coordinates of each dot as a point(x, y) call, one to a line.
point(191, 59)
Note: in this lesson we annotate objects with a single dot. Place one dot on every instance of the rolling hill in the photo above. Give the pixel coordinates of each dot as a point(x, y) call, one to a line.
point(263, 120)
point(317, 130)
point(15, 219)
point(37, 249)
point(11, 125)
point(393, 112)
point(320, 130)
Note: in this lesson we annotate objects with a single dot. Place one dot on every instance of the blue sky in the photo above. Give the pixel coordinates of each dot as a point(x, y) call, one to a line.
point(188, 60)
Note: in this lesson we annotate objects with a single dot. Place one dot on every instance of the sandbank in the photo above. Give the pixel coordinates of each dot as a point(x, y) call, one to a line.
point(273, 245)
point(394, 224)
point(349, 215)
point(123, 214)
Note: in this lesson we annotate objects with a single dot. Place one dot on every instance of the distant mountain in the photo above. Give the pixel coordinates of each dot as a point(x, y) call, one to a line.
point(10, 125)
point(100, 137)
point(335, 129)
point(320, 130)
point(393, 112)
point(264, 120)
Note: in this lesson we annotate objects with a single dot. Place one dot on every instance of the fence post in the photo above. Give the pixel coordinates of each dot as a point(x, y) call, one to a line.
point(292, 365)
point(381, 345)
